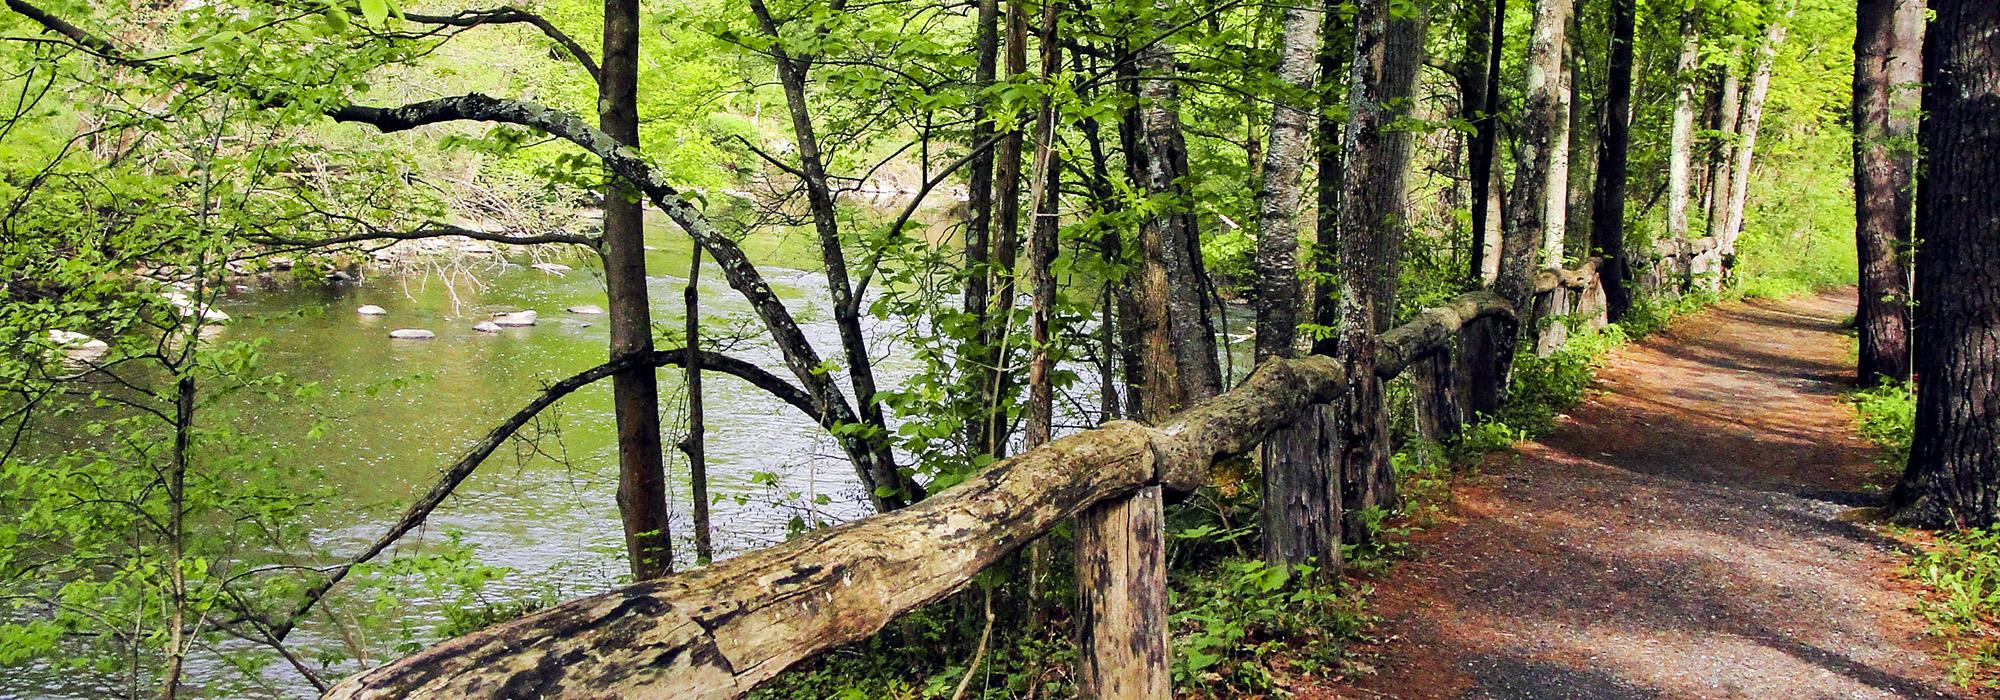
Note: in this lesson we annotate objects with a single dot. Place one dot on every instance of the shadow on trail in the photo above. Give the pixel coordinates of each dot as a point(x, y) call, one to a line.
point(1679, 535)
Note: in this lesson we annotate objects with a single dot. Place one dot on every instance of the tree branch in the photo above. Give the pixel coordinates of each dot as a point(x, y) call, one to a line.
point(510, 15)
point(457, 473)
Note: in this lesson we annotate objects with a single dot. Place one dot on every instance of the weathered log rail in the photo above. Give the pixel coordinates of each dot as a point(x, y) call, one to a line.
point(719, 631)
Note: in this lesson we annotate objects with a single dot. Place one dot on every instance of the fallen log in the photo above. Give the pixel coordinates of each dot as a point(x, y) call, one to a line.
point(720, 631)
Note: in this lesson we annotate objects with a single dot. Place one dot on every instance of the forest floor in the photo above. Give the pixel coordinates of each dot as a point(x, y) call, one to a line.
point(1689, 531)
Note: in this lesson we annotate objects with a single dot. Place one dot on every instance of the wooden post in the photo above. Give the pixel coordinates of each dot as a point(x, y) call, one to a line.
point(1121, 581)
point(1484, 345)
point(1435, 394)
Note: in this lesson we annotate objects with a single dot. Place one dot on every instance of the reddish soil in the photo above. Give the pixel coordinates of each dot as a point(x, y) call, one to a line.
point(1687, 532)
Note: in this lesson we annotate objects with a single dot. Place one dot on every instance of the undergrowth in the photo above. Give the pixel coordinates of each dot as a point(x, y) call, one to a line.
point(1960, 570)
point(1239, 627)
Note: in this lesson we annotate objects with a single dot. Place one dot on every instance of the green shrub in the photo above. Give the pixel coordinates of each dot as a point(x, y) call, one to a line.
point(1962, 569)
point(1887, 416)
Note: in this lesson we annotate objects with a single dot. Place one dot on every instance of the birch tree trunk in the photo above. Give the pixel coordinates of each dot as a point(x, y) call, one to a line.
point(1525, 240)
point(1680, 149)
point(1178, 351)
point(1888, 42)
point(1953, 477)
point(1752, 118)
point(1301, 510)
point(1723, 154)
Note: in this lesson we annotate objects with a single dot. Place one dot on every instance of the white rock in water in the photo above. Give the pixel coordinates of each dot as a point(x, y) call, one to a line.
point(551, 268)
point(486, 327)
point(585, 310)
point(371, 310)
point(515, 319)
point(412, 334)
point(189, 307)
point(77, 346)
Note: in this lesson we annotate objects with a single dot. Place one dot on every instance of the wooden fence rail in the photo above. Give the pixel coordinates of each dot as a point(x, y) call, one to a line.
point(719, 631)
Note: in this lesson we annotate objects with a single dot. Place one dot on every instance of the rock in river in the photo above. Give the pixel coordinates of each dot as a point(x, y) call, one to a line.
point(556, 269)
point(372, 310)
point(412, 334)
point(486, 327)
point(585, 310)
point(512, 319)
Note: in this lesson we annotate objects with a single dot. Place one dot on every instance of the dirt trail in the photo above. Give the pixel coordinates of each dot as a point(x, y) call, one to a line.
point(1679, 535)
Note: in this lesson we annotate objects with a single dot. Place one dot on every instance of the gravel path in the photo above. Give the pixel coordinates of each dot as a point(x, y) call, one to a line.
point(1685, 533)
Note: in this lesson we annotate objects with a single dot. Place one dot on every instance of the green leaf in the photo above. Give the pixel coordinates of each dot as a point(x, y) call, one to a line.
point(375, 12)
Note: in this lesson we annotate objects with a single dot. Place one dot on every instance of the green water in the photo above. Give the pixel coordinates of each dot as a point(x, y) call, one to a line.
point(401, 410)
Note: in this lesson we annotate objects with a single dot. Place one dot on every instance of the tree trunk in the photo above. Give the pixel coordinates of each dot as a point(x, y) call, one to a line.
point(695, 445)
point(978, 231)
point(1525, 241)
point(1480, 87)
point(1386, 55)
point(1753, 117)
point(1680, 149)
point(1555, 218)
point(1888, 42)
point(1607, 220)
point(1954, 472)
point(1278, 201)
point(1336, 47)
point(891, 488)
point(642, 476)
point(998, 329)
point(1179, 347)
point(1046, 195)
point(1723, 152)
point(1301, 495)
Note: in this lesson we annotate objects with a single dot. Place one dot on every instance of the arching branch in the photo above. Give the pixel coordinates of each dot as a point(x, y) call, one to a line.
point(456, 474)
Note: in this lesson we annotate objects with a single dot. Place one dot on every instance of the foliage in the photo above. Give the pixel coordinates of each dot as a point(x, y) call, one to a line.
point(1887, 417)
point(1962, 571)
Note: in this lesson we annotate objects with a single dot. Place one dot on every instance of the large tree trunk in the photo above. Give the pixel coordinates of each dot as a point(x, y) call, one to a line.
point(1387, 53)
point(1179, 347)
point(1888, 41)
point(642, 476)
point(1480, 87)
point(1278, 201)
point(1336, 47)
point(1954, 472)
point(1525, 241)
point(1753, 117)
point(1680, 151)
point(1301, 512)
point(1607, 220)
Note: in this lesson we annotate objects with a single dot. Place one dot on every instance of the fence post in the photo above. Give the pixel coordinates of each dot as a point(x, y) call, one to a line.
point(1434, 391)
point(1121, 583)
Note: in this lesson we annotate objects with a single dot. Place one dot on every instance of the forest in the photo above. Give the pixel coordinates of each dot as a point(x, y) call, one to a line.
point(999, 348)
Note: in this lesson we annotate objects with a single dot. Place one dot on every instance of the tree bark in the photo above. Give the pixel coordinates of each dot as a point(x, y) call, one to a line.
point(1121, 577)
point(978, 231)
point(1723, 153)
point(1525, 242)
point(1480, 87)
point(1953, 477)
point(1680, 151)
point(998, 328)
point(1042, 243)
point(695, 445)
point(1179, 345)
point(642, 476)
point(1607, 220)
point(1386, 54)
point(1301, 495)
point(1888, 43)
point(1752, 119)
point(890, 489)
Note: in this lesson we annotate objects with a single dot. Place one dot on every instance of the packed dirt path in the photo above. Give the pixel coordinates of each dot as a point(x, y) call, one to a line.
point(1686, 532)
